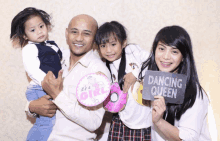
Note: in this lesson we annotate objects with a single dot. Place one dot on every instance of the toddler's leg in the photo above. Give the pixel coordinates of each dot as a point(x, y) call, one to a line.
point(31, 93)
point(43, 125)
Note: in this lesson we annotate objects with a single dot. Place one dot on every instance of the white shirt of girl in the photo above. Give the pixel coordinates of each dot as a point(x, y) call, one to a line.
point(134, 115)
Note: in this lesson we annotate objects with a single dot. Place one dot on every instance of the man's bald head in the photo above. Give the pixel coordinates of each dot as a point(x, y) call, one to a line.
point(80, 34)
point(85, 18)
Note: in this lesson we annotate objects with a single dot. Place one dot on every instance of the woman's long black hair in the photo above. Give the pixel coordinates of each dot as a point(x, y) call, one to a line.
point(178, 37)
point(103, 34)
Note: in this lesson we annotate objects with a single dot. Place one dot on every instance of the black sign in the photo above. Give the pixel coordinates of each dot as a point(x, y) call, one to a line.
point(169, 85)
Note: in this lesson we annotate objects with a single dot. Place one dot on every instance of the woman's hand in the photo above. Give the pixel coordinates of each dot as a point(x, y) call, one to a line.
point(158, 109)
point(164, 128)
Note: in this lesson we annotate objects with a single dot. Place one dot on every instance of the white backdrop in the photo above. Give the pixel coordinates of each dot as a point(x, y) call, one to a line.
point(142, 18)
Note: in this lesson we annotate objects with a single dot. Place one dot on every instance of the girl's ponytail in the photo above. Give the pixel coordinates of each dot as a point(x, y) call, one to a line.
point(121, 71)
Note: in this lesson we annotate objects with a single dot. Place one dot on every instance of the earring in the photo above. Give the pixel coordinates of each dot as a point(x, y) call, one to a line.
point(25, 38)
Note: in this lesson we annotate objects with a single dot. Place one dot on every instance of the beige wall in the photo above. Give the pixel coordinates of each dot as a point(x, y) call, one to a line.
point(143, 19)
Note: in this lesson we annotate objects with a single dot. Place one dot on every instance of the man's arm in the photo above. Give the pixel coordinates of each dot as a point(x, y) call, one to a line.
point(89, 118)
point(42, 106)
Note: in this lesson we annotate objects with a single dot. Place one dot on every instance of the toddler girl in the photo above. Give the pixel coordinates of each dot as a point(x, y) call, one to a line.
point(29, 30)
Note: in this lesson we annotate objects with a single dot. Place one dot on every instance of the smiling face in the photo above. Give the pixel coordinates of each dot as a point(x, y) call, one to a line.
point(80, 34)
point(112, 50)
point(35, 30)
point(167, 58)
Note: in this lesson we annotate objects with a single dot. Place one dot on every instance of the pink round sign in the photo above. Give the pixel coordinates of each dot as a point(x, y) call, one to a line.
point(92, 89)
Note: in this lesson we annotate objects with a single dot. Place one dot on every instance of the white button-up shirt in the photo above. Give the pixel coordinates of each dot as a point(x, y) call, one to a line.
point(74, 121)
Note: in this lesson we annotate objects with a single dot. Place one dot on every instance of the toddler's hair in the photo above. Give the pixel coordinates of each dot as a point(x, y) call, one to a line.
point(110, 28)
point(18, 24)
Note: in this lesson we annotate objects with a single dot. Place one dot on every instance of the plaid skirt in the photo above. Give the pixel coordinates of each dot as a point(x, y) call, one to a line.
point(120, 132)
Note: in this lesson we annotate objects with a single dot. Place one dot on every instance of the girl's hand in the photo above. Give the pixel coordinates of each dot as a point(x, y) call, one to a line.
point(100, 73)
point(158, 109)
point(129, 80)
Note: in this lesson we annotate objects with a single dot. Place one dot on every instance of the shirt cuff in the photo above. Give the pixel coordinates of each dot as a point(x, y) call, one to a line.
point(59, 99)
point(62, 101)
point(66, 105)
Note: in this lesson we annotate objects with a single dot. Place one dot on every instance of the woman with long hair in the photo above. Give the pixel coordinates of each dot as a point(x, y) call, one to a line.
point(172, 52)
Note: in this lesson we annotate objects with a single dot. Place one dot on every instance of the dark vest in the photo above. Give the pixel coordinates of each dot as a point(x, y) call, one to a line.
point(49, 58)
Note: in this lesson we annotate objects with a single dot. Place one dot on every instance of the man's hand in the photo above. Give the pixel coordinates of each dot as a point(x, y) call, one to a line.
point(129, 80)
point(51, 85)
point(43, 106)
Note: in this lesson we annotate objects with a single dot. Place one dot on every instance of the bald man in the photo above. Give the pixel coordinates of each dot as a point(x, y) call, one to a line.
point(74, 121)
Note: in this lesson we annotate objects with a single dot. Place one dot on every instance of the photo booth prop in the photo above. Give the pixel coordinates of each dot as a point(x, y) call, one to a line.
point(137, 92)
point(116, 101)
point(93, 89)
point(169, 85)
